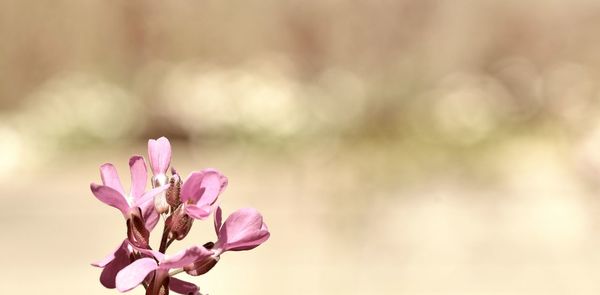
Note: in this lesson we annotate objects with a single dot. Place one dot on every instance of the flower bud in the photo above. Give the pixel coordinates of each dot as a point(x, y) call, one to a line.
point(172, 193)
point(202, 266)
point(179, 224)
point(137, 233)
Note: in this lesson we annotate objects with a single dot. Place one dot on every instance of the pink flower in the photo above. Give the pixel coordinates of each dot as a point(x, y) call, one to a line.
point(134, 262)
point(112, 193)
point(243, 230)
point(200, 192)
point(135, 273)
point(159, 152)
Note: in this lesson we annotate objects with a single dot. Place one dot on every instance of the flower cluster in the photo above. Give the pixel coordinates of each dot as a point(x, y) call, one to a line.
point(181, 202)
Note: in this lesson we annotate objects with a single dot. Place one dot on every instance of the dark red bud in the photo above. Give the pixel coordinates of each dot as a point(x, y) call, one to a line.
point(173, 191)
point(137, 233)
point(202, 266)
point(179, 224)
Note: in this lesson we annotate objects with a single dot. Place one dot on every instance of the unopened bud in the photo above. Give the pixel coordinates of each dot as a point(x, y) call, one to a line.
point(137, 233)
point(201, 267)
point(179, 224)
point(172, 193)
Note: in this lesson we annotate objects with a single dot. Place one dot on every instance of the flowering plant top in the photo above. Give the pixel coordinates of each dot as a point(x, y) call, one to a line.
point(134, 262)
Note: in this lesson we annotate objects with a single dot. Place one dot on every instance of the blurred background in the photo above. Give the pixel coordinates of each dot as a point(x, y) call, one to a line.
point(394, 147)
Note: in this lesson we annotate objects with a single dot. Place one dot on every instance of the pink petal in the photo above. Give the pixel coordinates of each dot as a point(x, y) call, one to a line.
point(218, 219)
point(191, 187)
point(106, 260)
point(159, 152)
point(110, 197)
point(251, 242)
point(146, 202)
point(204, 187)
point(109, 273)
point(132, 275)
point(243, 230)
point(150, 253)
point(182, 287)
point(110, 257)
point(139, 176)
point(149, 195)
point(110, 177)
point(197, 212)
point(185, 257)
point(151, 216)
point(120, 260)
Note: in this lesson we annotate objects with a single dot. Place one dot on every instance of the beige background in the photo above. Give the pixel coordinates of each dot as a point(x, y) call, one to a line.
point(394, 147)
